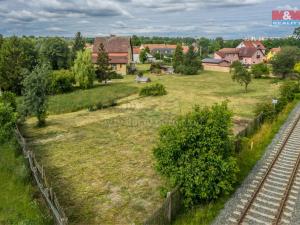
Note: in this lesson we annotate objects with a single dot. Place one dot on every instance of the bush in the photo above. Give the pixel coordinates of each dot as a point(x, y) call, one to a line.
point(115, 75)
point(153, 90)
point(196, 154)
point(9, 98)
point(267, 110)
point(288, 90)
point(101, 105)
point(7, 122)
point(62, 81)
point(260, 69)
point(155, 68)
point(187, 70)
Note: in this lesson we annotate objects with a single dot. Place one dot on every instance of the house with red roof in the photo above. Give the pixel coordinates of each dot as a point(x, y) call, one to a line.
point(247, 52)
point(119, 50)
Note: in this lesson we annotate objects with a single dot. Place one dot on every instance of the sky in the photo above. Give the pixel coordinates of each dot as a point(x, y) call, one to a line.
point(181, 18)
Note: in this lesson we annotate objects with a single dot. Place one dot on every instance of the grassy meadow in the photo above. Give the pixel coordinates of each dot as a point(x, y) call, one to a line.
point(17, 203)
point(101, 163)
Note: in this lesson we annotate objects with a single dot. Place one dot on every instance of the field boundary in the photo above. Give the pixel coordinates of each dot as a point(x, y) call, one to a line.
point(173, 203)
point(38, 173)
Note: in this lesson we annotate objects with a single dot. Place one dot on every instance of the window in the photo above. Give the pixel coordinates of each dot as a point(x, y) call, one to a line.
point(114, 66)
point(258, 56)
point(121, 65)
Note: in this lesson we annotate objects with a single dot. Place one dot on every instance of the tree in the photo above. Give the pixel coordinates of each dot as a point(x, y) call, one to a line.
point(240, 74)
point(147, 49)
point(297, 33)
point(284, 61)
point(135, 40)
point(178, 58)
point(83, 69)
point(202, 167)
point(143, 56)
point(55, 51)
point(8, 120)
point(103, 70)
point(220, 42)
point(79, 44)
point(36, 86)
point(257, 70)
point(191, 62)
point(13, 63)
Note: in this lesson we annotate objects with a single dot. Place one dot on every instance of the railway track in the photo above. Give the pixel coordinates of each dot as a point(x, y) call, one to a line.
point(272, 195)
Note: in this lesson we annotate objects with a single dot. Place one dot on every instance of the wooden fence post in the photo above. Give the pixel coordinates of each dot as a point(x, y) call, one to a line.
point(169, 197)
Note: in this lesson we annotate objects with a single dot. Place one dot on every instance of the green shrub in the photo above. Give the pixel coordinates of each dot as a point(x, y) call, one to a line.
point(9, 98)
point(115, 75)
point(7, 122)
point(257, 70)
point(153, 90)
point(288, 90)
point(267, 110)
point(101, 105)
point(196, 154)
point(62, 81)
point(155, 68)
point(187, 70)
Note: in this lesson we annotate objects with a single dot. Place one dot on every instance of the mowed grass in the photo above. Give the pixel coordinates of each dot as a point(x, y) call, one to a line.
point(17, 204)
point(81, 99)
point(101, 163)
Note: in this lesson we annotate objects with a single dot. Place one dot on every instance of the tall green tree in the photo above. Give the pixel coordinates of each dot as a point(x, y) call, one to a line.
point(83, 69)
point(143, 56)
point(55, 50)
point(15, 59)
point(297, 33)
point(178, 58)
point(284, 61)
point(135, 40)
point(79, 44)
point(204, 168)
point(103, 69)
point(240, 74)
point(37, 85)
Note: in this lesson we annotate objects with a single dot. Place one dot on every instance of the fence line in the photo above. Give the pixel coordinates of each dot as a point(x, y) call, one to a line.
point(173, 203)
point(38, 173)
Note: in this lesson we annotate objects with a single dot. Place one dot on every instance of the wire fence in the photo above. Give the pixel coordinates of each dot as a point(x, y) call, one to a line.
point(38, 173)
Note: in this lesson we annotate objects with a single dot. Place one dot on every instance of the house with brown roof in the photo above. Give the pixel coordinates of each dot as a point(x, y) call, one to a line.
point(252, 44)
point(119, 50)
point(247, 52)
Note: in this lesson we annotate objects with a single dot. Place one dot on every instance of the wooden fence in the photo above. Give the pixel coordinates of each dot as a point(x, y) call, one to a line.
point(38, 173)
point(173, 204)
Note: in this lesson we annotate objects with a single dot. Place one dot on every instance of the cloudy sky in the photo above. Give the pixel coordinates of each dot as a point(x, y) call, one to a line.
point(209, 18)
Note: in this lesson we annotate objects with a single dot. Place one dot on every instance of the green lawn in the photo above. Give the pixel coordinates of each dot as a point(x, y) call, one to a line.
point(17, 205)
point(82, 99)
point(101, 163)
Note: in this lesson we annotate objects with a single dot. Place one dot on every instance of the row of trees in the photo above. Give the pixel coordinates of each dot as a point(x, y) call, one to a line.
point(19, 56)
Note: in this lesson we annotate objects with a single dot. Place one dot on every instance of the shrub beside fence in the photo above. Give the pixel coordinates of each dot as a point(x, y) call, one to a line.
point(38, 173)
point(173, 203)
